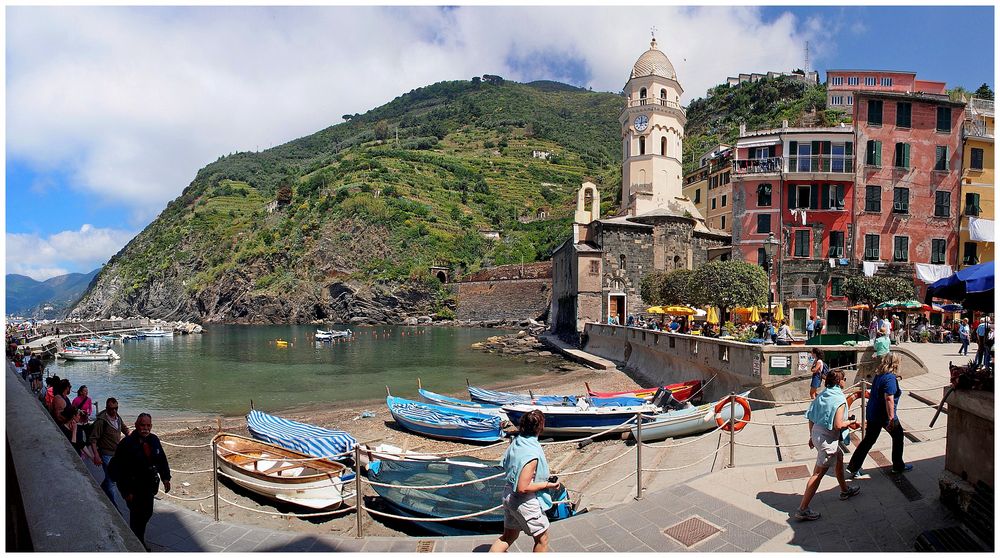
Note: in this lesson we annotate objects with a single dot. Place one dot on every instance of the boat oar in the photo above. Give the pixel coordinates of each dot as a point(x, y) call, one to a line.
point(418, 384)
point(387, 391)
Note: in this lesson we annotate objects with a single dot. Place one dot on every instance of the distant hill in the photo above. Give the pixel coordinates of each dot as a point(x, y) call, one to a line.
point(30, 298)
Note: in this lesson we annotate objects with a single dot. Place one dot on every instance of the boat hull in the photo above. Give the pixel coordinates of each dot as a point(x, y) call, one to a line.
point(683, 422)
point(451, 402)
point(88, 357)
point(681, 391)
point(490, 431)
point(315, 484)
point(565, 421)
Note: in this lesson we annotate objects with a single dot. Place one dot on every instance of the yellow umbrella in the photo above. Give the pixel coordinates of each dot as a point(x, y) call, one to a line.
point(754, 314)
point(712, 316)
point(679, 310)
point(655, 310)
point(779, 314)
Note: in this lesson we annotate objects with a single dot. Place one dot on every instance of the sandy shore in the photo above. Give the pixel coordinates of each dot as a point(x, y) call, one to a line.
point(375, 430)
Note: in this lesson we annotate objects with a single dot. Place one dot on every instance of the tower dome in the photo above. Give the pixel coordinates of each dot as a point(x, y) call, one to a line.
point(654, 63)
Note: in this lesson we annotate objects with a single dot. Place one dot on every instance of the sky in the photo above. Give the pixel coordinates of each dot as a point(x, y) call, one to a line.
point(111, 111)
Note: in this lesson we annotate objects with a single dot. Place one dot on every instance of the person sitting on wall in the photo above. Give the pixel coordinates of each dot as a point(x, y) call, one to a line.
point(784, 334)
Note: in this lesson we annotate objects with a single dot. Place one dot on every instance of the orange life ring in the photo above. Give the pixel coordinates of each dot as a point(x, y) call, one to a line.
point(855, 395)
point(738, 424)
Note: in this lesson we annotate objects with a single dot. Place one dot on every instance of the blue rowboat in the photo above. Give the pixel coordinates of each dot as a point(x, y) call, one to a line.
point(446, 423)
point(298, 436)
point(491, 397)
point(683, 422)
point(563, 420)
point(451, 402)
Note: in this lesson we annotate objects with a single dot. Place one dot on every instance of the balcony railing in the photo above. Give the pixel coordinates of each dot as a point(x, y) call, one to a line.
point(757, 166)
point(821, 163)
point(654, 101)
point(981, 106)
point(978, 129)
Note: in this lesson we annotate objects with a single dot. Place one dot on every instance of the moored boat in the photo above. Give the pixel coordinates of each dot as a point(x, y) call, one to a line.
point(324, 335)
point(446, 423)
point(445, 401)
point(282, 474)
point(586, 418)
point(299, 436)
point(682, 391)
point(156, 331)
point(683, 422)
point(499, 398)
point(69, 354)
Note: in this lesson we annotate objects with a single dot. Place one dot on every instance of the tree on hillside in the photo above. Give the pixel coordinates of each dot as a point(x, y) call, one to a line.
point(728, 284)
point(381, 130)
point(984, 92)
point(875, 290)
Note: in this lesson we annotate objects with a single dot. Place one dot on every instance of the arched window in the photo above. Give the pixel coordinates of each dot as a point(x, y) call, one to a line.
point(642, 145)
point(642, 93)
point(621, 262)
point(663, 146)
point(663, 93)
point(805, 285)
point(677, 262)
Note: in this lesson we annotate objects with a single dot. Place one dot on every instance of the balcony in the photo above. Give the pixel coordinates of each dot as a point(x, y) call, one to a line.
point(769, 165)
point(978, 129)
point(981, 106)
point(839, 164)
point(654, 101)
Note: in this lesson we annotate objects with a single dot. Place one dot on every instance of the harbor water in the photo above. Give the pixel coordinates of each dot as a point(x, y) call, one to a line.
point(222, 370)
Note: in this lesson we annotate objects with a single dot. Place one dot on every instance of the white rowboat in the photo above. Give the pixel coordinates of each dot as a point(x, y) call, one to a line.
point(282, 474)
point(88, 355)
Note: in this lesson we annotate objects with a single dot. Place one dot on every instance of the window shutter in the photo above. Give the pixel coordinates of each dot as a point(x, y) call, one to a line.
point(770, 151)
point(793, 159)
point(947, 158)
point(878, 153)
point(826, 149)
point(825, 200)
point(906, 155)
point(849, 149)
point(814, 196)
point(791, 196)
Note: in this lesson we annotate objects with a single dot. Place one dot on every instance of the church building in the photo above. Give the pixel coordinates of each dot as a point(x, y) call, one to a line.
point(596, 273)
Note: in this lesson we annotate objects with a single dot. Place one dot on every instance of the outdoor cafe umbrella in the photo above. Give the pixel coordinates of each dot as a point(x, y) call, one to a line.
point(678, 310)
point(712, 315)
point(972, 286)
point(655, 310)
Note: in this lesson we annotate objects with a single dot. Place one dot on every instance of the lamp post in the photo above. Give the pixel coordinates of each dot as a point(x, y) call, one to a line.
point(769, 247)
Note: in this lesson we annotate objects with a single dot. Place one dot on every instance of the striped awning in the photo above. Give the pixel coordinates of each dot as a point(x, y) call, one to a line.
point(298, 436)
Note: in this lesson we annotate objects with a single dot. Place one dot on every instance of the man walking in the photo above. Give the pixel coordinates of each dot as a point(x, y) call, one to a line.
point(810, 326)
point(104, 437)
point(981, 341)
point(137, 467)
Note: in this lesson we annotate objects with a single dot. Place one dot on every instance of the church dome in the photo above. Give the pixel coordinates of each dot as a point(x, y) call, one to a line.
point(654, 63)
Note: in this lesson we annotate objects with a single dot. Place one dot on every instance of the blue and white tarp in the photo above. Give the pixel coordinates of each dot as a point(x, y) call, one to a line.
point(434, 415)
point(301, 437)
point(505, 398)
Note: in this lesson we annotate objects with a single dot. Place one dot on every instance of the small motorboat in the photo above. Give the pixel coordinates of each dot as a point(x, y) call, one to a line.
point(323, 335)
point(282, 474)
point(683, 422)
point(681, 391)
point(157, 331)
point(446, 423)
point(83, 355)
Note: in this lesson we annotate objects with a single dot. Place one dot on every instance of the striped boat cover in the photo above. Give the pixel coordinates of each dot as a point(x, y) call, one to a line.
point(504, 398)
point(301, 437)
point(428, 414)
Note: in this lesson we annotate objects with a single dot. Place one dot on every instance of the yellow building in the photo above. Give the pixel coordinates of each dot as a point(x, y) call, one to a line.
point(976, 232)
point(710, 188)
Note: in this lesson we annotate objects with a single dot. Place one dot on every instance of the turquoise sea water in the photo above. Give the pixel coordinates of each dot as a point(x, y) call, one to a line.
point(221, 370)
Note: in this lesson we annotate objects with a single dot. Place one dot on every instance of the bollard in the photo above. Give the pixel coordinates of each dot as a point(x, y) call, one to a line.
point(215, 476)
point(357, 489)
point(638, 456)
point(862, 406)
point(732, 428)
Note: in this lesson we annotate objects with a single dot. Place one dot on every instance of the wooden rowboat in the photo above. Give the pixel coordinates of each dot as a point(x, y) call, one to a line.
point(282, 474)
point(681, 391)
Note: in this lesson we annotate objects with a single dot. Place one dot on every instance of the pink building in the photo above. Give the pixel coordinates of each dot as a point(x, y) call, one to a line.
point(841, 85)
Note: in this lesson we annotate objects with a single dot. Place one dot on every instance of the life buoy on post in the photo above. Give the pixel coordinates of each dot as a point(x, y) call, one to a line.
point(738, 423)
point(853, 396)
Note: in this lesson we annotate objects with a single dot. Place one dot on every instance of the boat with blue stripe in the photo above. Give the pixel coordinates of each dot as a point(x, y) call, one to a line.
point(446, 423)
point(455, 403)
point(488, 396)
point(586, 418)
point(301, 437)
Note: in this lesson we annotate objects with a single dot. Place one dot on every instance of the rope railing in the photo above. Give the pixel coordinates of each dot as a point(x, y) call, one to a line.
point(598, 466)
point(292, 459)
point(252, 483)
point(929, 389)
point(796, 444)
point(209, 444)
point(431, 519)
point(197, 499)
point(663, 470)
point(684, 443)
point(616, 483)
point(439, 453)
point(289, 514)
point(172, 470)
point(432, 486)
point(592, 436)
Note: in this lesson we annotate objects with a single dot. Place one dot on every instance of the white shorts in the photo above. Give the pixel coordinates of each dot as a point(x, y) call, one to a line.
point(523, 513)
point(827, 445)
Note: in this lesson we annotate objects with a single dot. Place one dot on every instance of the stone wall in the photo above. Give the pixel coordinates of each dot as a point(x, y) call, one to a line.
point(634, 243)
point(534, 270)
point(517, 299)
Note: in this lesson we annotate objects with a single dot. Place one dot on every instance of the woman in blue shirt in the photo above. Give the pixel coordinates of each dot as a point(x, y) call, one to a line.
point(526, 494)
point(880, 413)
point(827, 420)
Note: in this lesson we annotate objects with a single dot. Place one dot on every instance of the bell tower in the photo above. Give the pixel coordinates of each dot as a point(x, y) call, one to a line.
point(652, 131)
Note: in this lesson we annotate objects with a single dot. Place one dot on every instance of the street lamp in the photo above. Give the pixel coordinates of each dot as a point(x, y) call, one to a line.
point(770, 245)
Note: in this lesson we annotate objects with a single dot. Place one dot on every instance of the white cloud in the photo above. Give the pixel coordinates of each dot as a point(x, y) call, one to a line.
point(85, 249)
point(134, 100)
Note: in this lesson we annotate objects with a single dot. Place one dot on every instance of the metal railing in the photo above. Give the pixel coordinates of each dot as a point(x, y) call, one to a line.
point(981, 106)
point(654, 101)
point(978, 129)
point(820, 163)
point(757, 166)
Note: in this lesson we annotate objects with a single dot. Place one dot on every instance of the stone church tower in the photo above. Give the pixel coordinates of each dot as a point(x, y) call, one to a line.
point(652, 129)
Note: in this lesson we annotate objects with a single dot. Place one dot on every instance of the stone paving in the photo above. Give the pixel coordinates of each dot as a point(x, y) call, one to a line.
point(746, 504)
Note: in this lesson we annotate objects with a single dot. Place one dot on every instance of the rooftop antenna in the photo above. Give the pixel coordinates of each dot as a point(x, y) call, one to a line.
point(806, 69)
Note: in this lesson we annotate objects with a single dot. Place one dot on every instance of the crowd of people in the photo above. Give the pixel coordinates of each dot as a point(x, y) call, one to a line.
point(132, 460)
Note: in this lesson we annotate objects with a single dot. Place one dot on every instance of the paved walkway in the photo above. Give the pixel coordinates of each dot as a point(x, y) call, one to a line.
point(742, 508)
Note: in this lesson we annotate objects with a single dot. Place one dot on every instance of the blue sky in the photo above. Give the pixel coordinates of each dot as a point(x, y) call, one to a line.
point(111, 111)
